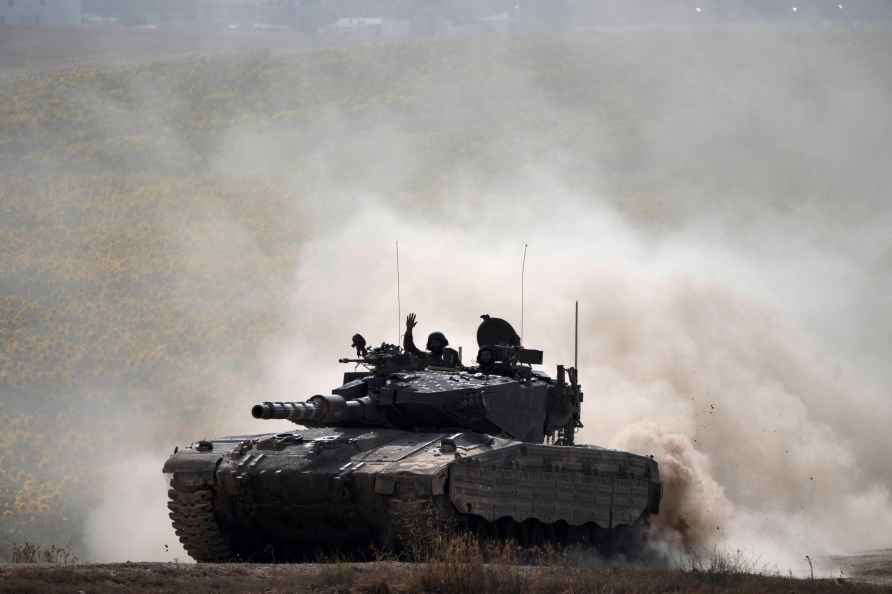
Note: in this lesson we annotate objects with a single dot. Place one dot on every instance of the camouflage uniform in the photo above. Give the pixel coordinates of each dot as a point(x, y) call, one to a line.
point(439, 356)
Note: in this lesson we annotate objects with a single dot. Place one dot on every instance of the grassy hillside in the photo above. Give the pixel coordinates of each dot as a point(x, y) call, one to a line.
point(151, 216)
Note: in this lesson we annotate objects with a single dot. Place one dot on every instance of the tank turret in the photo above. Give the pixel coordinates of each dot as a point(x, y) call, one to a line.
point(503, 394)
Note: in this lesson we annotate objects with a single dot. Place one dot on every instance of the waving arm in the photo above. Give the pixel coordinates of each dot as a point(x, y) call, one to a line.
point(408, 340)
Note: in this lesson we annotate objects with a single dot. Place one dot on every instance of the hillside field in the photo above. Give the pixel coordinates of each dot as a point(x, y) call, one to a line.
point(153, 214)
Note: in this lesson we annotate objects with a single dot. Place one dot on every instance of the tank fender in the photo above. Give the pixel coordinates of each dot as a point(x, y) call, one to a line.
point(439, 481)
point(190, 460)
point(421, 484)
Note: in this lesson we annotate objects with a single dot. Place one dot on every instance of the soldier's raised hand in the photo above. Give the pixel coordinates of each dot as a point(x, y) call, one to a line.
point(410, 321)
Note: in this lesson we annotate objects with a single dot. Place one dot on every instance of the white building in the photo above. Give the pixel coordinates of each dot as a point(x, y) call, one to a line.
point(369, 26)
point(40, 12)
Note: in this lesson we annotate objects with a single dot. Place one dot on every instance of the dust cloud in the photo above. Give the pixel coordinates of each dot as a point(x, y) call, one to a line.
point(114, 532)
point(717, 214)
point(765, 432)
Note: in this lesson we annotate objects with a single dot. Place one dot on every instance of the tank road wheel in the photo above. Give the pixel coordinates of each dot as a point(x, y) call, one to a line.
point(623, 542)
point(414, 526)
point(400, 526)
point(191, 508)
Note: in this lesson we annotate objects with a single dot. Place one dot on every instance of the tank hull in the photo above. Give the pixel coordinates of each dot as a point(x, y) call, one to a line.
point(333, 490)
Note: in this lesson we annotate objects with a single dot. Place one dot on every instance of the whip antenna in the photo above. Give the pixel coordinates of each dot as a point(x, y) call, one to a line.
point(399, 305)
point(576, 339)
point(523, 269)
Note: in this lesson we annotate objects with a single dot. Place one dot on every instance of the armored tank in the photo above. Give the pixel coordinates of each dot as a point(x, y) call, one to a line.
point(402, 448)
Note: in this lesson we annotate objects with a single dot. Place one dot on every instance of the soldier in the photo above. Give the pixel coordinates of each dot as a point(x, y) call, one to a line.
point(439, 356)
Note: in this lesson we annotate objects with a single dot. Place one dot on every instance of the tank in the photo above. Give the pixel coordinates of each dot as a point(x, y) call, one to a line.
point(402, 449)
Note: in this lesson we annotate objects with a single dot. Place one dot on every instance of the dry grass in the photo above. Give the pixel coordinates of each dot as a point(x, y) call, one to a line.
point(455, 577)
point(336, 578)
point(463, 564)
point(455, 564)
point(32, 553)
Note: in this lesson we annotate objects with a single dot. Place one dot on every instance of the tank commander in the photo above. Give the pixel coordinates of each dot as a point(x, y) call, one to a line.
point(439, 355)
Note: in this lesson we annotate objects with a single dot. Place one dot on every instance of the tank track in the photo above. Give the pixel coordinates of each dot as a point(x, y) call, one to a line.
point(411, 524)
point(191, 508)
point(622, 541)
point(413, 521)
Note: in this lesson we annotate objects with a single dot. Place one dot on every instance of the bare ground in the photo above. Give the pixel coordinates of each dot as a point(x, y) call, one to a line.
point(399, 578)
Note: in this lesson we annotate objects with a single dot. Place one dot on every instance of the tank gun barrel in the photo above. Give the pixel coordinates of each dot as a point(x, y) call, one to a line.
point(292, 411)
point(321, 410)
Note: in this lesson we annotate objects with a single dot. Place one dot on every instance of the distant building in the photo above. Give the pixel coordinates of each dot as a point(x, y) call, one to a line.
point(40, 12)
point(497, 23)
point(369, 27)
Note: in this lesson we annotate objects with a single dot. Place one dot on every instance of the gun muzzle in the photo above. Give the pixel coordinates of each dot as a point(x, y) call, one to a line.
point(292, 411)
point(318, 410)
point(322, 410)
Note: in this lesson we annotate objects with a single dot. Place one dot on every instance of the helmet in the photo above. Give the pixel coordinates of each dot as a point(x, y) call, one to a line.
point(359, 344)
point(436, 336)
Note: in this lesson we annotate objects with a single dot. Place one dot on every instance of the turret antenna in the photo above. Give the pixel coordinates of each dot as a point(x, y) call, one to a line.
point(523, 269)
point(399, 306)
point(576, 339)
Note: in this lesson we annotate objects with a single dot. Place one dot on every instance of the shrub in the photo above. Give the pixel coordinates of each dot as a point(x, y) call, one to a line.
point(32, 553)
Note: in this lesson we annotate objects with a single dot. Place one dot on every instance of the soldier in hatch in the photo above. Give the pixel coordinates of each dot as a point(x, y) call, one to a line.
point(439, 356)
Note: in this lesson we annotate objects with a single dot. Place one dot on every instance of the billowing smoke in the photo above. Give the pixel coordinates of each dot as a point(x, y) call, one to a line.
point(129, 523)
point(764, 431)
point(716, 215)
